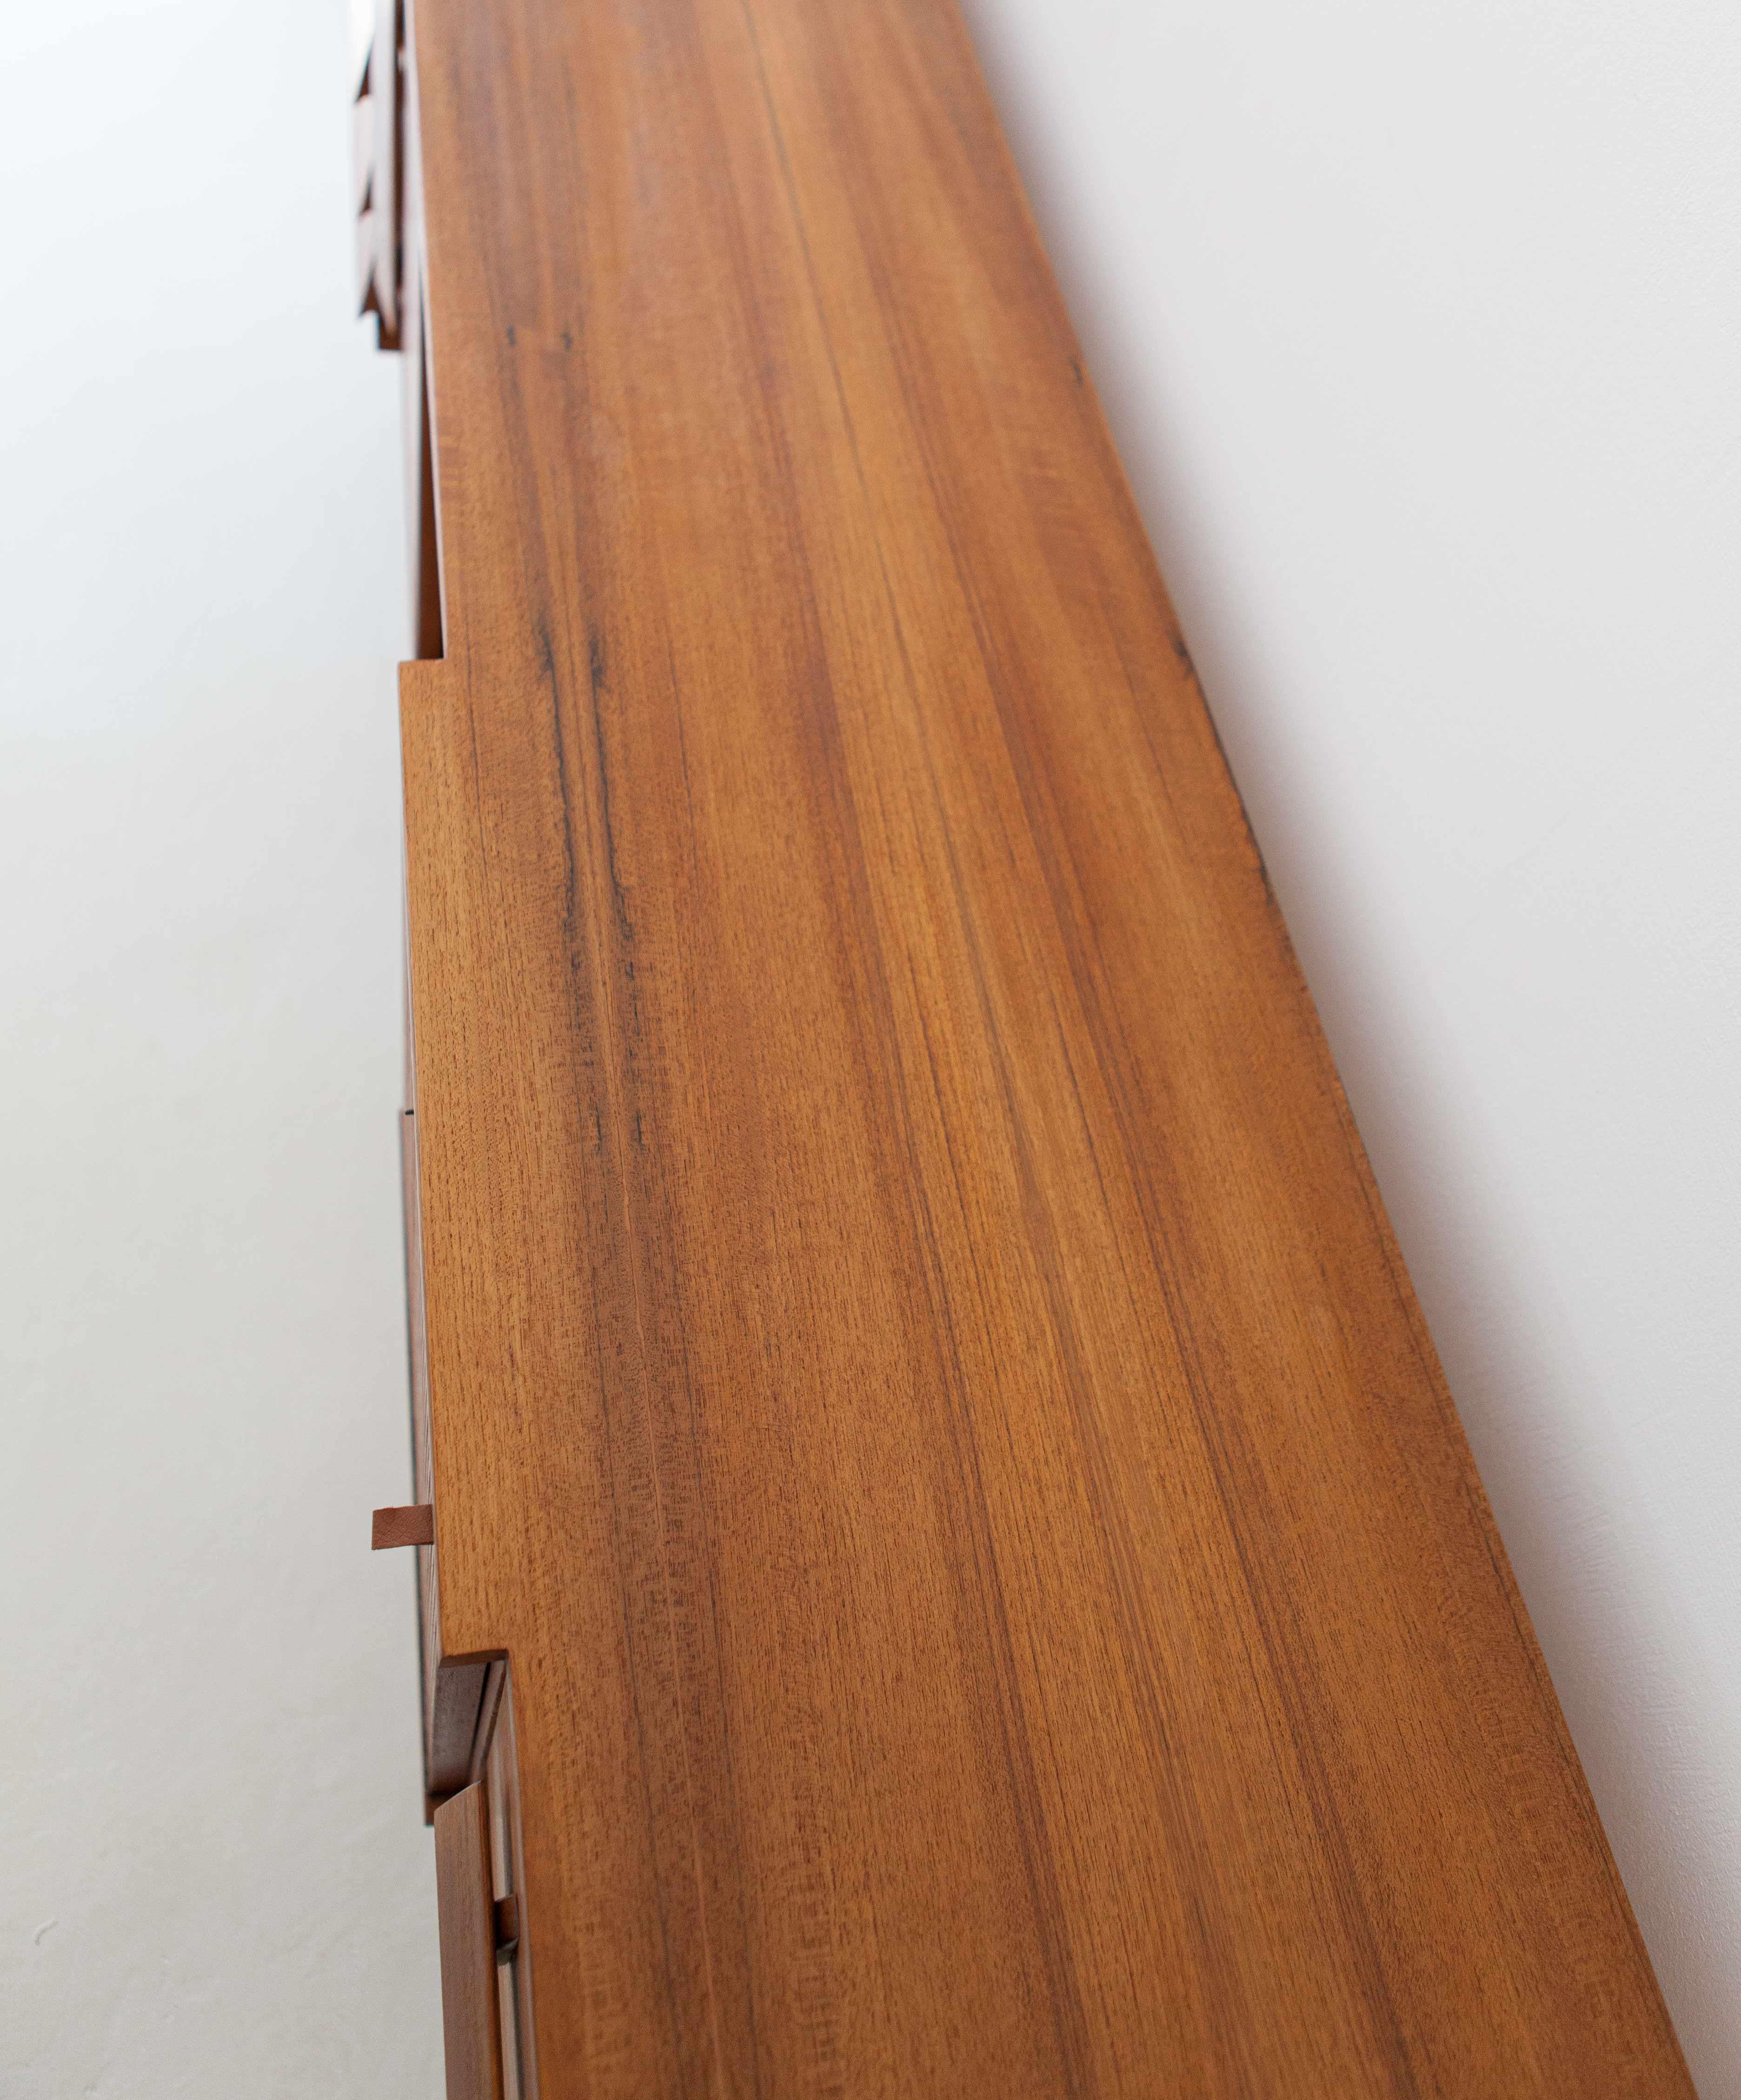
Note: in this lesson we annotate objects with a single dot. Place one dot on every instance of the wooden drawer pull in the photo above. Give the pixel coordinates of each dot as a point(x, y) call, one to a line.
point(413, 1524)
point(507, 1925)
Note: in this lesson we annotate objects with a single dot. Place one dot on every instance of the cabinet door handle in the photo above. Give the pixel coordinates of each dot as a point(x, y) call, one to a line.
point(413, 1523)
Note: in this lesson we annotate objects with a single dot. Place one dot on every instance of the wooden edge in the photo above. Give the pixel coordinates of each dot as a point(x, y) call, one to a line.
point(461, 1713)
point(411, 1523)
point(502, 1767)
point(465, 1911)
point(495, 1676)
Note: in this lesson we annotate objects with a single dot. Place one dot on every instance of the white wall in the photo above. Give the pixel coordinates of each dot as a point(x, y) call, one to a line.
point(1419, 327)
point(1411, 321)
point(214, 1880)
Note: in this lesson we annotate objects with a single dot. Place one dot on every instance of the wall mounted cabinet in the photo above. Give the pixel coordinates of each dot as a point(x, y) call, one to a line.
point(953, 1568)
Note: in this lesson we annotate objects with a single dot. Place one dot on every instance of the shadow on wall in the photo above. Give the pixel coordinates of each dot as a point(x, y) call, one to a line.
point(1579, 1529)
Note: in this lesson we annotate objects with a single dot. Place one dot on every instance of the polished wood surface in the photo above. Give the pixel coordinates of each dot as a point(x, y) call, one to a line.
point(922, 1389)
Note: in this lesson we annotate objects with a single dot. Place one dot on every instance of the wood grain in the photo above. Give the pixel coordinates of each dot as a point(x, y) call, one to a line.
point(467, 1916)
point(922, 1388)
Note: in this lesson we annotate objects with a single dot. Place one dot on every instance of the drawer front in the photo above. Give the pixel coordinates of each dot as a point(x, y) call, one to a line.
point(455, 1728)
point(377, 163)
point(513, 1967)
point(486, 1961)
point(471, 2021)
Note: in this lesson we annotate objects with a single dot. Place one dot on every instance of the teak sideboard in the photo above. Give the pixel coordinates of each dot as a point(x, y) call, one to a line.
point(947, 1565)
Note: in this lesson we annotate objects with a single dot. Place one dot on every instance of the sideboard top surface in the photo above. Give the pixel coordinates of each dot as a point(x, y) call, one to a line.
point(924, 1392)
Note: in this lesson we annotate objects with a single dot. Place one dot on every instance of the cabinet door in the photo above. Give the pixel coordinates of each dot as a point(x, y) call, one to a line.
point(465, 1905)
point(453, 1742)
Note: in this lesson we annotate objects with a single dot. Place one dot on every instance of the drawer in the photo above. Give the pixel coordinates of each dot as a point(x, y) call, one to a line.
point(471, 2023)
point(485, 1941)
point(377, 163)
point(454, 1724)
point(514, 1969)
